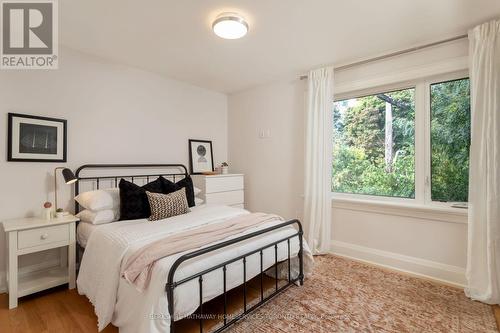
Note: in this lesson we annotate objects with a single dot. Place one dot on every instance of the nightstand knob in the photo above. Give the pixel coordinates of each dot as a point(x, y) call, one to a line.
point(44, 236)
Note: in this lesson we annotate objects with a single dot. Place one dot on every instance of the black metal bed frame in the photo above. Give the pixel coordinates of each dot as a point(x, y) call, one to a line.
point(97, 179)
point(172, 284)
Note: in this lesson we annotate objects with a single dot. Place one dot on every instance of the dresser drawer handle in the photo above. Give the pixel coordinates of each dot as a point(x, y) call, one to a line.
point(44, 236)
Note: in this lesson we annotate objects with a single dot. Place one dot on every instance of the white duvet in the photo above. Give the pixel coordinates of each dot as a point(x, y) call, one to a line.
point(116, 301)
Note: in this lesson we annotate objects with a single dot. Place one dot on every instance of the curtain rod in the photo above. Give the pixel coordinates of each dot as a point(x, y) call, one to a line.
point(394, 54)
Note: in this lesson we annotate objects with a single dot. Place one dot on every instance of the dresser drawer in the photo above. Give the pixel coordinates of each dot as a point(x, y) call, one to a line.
point(225, 198)
point(42, 236)
point(221, 184)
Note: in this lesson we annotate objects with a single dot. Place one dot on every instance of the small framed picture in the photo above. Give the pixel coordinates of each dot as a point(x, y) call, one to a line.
point(36, 139)
point(201, 157)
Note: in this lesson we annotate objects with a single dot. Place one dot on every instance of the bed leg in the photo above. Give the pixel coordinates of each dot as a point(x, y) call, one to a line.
point(301, 258)
point(170, 297)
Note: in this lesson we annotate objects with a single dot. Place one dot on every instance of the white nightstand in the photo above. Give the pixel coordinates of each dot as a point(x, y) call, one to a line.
point(30, 235)
point(221, 189)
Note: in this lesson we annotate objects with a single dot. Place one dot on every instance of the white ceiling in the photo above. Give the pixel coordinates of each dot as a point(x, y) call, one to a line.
point(286, 37)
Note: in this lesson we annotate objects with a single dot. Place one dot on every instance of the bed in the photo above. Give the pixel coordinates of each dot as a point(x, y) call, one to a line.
point(183, 282)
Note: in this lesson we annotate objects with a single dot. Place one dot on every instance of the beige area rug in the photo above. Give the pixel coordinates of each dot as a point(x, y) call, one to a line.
point(348, 296)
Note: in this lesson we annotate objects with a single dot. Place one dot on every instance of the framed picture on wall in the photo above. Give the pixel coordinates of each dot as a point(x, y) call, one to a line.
point(36, 139)
point(201, 157)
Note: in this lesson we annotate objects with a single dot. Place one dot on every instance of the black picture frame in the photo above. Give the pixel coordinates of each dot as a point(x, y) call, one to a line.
point(10, 139)
point(192, 169)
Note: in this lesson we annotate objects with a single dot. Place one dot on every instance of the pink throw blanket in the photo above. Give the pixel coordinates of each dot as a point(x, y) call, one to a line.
point(139, 266)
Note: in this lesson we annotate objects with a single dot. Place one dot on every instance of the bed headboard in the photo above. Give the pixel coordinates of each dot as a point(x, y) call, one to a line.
point(108, 175)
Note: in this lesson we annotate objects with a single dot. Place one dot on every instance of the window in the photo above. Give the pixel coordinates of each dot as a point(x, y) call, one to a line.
point(404, 144)
point(450, 140)
point(374, 145)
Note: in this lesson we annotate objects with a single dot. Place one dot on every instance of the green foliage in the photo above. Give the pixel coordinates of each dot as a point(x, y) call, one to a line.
point(359, 143)
point(450, 136)
point(359, 151)
point(353, 172)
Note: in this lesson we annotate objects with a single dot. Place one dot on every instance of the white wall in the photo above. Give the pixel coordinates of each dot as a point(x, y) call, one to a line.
point(115, 114)
point(273, 166)
point(421, 243)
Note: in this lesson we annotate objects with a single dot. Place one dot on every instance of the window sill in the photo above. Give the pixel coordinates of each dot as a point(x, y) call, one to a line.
point(435, 213)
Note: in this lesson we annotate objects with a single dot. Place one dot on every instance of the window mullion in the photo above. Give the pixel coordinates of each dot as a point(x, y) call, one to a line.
point(426, 108)
point(420, 143)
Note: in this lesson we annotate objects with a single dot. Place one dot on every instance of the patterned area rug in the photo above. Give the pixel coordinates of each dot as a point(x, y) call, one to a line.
point(348, 296)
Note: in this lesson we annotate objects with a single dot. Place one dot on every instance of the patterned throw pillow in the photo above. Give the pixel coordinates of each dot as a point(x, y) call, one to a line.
point(167, 205)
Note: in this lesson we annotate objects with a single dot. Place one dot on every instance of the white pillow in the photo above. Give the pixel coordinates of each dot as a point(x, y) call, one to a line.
point(99, 217)
point(196, 191)
point(198, 201)
point(100, 199)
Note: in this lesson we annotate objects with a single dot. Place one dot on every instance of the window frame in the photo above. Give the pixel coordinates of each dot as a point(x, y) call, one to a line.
point(428, 141)
point(422, 141)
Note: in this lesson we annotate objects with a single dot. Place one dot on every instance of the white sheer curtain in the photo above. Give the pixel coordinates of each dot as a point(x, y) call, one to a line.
point(483, 254)
point(318, 152)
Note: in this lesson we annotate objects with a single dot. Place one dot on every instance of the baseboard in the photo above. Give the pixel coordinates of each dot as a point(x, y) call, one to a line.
point(26, 270)
point(443, 273)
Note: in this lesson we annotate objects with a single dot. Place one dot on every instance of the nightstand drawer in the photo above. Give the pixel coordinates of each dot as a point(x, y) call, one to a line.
point(42, 236)
point(223, 184)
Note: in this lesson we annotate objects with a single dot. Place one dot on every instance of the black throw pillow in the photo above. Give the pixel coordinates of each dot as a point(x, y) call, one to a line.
point(134, 201)
point(169, 187)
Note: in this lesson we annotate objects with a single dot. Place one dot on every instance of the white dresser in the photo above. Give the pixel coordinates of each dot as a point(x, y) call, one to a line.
point(221, 189)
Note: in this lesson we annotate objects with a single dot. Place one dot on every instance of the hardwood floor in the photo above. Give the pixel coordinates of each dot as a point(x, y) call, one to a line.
point(55, 310)
point(63, 310)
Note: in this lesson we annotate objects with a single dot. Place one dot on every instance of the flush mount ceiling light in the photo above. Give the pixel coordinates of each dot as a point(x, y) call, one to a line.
point(230, 26)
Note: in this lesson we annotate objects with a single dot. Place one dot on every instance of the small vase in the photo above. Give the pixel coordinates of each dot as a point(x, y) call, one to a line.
point(224, 170)
point(47, 213)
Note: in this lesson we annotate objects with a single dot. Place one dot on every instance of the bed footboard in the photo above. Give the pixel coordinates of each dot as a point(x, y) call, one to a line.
point(171, 284)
